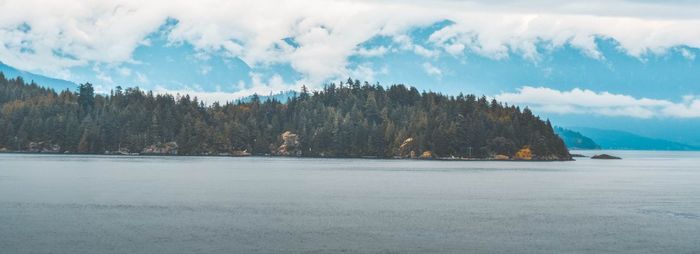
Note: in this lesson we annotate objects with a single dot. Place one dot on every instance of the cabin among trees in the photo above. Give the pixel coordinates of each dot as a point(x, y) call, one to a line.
point(348, 119)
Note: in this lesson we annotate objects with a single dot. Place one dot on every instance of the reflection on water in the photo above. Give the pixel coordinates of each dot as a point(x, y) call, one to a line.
point(647, 202)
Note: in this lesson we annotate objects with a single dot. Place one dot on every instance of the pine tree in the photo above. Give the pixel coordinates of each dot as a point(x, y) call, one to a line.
point(352, 119)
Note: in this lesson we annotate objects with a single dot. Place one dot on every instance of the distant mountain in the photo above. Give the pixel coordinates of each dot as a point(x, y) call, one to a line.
point(56, 84)
point(613, 139)
point(575, 140)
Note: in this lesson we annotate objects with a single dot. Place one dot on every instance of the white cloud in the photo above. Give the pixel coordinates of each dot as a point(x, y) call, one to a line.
point(366, 72)
point(455, 49)
point(372, 52)
point(142, 79)
point(259, 85)
point(69, 33)
point(406, 43)
point(687, 54)
point(73, 33)
point(689, 108)
point(432, 70)
point(583, 101)
point(205, 69)
point(124, 71)
point(422, 51)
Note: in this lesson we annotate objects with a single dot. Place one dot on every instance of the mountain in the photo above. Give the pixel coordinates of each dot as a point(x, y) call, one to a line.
point(53, 83)
point(576, 140)
point(621, 140)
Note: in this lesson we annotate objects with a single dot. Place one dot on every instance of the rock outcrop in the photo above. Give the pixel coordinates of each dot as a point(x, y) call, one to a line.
point(407, 149)
point(524, 154)
point(43, 147)
point(169, 148)
point(427, 155)
point(290, 145)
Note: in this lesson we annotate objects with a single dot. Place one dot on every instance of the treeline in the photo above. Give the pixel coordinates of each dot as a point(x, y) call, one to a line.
point(349, 119)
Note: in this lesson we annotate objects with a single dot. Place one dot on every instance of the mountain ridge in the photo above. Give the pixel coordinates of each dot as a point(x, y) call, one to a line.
point(48, 82)
point(575, 140)
point(623, 140)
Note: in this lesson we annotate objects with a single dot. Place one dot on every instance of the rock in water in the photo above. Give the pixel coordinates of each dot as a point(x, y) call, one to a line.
point(605, 157)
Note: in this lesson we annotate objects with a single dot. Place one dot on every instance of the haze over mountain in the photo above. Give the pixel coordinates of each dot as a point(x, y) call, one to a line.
point(621, 140)
point(583, 138)
point(56, 84)
point(625, 65)
point(576, 140)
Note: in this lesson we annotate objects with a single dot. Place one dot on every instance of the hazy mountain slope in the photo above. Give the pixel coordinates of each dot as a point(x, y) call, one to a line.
point(575, 140)
point(56, 84)
point(613, 139)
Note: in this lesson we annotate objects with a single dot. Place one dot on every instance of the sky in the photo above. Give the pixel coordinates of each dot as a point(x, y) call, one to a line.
point(621, 64)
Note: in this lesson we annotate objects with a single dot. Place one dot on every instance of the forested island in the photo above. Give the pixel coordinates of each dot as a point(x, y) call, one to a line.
point(348, 119)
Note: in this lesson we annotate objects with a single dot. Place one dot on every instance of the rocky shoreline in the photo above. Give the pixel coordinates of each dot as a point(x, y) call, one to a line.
point(289, 156)
point(290, 146)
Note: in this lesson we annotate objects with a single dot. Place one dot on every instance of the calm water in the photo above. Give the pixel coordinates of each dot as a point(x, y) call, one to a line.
point(647, 203)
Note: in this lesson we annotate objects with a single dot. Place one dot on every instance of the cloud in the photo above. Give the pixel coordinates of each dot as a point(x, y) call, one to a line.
point(372, 52)
point(406, 43)
point(516, 33)
point(583, 101)
point(259, 85)
point(432, 70)
point(73, 33)
point(422, 51)
point(50, 37)
point(366, 72)
point(687, 54)
point(124, 71)
point(205, 69)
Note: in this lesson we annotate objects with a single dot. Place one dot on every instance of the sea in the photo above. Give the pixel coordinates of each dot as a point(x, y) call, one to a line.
point(648, 202)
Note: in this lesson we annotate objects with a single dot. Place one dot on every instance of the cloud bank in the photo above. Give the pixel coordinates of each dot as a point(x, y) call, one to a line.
point(316, 37)
point(582, 101)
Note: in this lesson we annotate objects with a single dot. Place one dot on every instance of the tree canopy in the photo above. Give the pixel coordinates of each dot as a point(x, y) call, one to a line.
point(348, 119)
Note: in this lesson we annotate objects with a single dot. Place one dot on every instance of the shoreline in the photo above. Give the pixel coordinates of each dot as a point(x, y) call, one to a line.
point(297, 157)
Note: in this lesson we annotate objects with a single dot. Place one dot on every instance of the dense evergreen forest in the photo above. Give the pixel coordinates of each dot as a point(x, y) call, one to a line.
point(349, 119)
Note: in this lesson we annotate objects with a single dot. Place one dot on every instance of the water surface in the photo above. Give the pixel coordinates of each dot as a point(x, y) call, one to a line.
point(649, 202)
